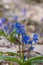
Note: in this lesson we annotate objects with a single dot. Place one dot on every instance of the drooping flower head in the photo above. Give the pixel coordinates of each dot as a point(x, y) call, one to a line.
point(30, 41)
point(25, 39)
point(25, 57)
point(8, 28)
point(5, 29)
point(31, 48)
point(35, 38)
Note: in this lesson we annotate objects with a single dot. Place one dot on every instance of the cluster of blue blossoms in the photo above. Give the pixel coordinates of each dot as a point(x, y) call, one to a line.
point(9, 27)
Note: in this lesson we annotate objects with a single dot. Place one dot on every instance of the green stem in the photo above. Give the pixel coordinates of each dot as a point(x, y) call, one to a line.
point(23, 51)
point(19, 49)
point(19, 45)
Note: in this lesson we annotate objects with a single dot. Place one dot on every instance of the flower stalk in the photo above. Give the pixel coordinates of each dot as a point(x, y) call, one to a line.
point(23, 51)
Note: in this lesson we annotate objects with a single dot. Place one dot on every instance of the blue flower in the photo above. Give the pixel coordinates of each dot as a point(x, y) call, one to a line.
point(35, 38)
point(5, 28)
point(25, 39)
point(31, 48)
point(30, 41)
point(21, 31)
point(0, 25)
point(15, 18)
point(25, 57)
point(3, 20)
point(19, 28)
point(13, 25)
point(18, 25)
point(9, 24)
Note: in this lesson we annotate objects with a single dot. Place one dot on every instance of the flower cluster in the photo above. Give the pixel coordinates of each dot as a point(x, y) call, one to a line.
point(5, 27)
point(20, 30)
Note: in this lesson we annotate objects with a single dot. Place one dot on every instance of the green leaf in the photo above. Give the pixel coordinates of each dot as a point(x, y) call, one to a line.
point(2, 33)
point(11, 58)
point(13, 54)
point(12, 39)
point(1, 53)
point(29, 61)
point(37, 61)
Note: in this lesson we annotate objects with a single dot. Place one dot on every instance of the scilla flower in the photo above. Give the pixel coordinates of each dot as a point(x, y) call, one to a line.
point(30, 41)
point(19, 28)
point(9, 24)
point(25, 57)
point(3, 20)
point(31, 48)
point(25, 39)
point(18, 25)
point(35, 38)
point(5, 28)
point(0, 25)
